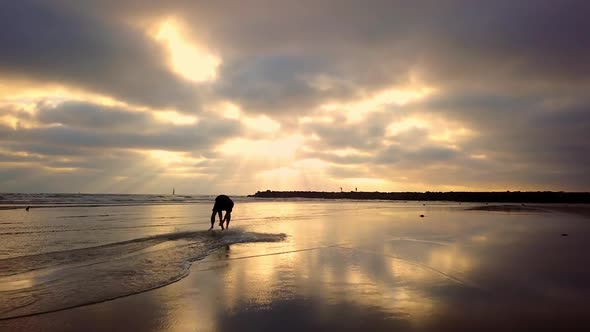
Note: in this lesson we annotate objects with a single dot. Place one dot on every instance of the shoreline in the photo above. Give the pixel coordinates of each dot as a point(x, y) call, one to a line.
point(53, 206)
point(453, 196)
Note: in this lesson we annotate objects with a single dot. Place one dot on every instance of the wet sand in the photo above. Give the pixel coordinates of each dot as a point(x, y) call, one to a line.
point(579, 209)
point(368, 266)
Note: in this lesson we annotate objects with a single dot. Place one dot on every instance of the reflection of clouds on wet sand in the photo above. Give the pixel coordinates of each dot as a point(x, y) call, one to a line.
point(332, 276)
point(394, 265)
point(336, 275)
point(377, 266)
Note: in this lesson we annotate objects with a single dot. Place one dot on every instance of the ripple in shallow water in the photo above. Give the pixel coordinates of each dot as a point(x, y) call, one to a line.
point(59, 280)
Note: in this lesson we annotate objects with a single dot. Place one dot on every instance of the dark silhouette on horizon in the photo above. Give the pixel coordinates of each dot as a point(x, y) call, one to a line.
point(458, 196)
point(222, 203)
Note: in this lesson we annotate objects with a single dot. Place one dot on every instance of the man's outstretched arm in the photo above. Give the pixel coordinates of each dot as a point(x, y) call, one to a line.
point(212, 220)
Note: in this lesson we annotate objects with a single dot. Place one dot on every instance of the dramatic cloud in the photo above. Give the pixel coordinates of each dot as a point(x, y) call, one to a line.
point(85, 125)
point(58, 45)
point(135, 96)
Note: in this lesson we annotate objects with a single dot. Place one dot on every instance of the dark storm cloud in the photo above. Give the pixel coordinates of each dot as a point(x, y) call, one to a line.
point(366, 135)
point(273, 84)
point(103, 162)
point(85, 115)
point(42, 148)
point(46, 42)
point(176, 139)
point(334, 137)
point(368, 43)
point(12, 157)
point(557, 138)
point(547, 130)
point(412, 157)
point(410, 148)
point(376, 43)
point(133, 168)
point(269, 47)
point(507, 48)
point(535, 39)
point(412, 137)
point(99, 149)
point(94, 126)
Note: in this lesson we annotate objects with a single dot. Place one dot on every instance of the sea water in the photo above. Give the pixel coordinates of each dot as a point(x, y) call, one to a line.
point(71, 250)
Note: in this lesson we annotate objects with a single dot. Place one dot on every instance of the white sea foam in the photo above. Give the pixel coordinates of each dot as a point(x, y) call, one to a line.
point(58, 280)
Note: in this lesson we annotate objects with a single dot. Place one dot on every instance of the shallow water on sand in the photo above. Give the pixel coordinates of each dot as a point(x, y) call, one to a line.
point(66, 257)
point(343, 265)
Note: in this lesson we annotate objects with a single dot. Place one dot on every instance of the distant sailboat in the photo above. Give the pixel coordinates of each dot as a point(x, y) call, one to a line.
point(173, 191)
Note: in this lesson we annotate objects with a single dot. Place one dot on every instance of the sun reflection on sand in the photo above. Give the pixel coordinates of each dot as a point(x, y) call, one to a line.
point(331, 269)
point(451, 260)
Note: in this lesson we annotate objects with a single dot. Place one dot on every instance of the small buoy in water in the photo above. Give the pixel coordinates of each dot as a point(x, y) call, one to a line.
point(563, 234)
point(27, 208)
point(421, 216)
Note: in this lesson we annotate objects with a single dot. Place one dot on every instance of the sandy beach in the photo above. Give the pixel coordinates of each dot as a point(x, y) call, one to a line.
point(352, 265)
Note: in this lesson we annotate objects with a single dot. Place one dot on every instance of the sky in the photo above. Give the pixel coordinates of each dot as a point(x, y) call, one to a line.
point(220, 96)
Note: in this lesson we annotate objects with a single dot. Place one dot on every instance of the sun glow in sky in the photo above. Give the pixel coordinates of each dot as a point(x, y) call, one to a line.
point(175, 117)
point(27, 95)
point(212, 97)
point(187, 59)
point(167, 157)
point(263, 148)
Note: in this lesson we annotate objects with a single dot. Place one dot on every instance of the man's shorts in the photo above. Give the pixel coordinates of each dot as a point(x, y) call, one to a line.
point(223, 203)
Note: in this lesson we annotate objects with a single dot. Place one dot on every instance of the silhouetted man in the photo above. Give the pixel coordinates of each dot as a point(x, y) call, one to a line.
point(222, 203)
